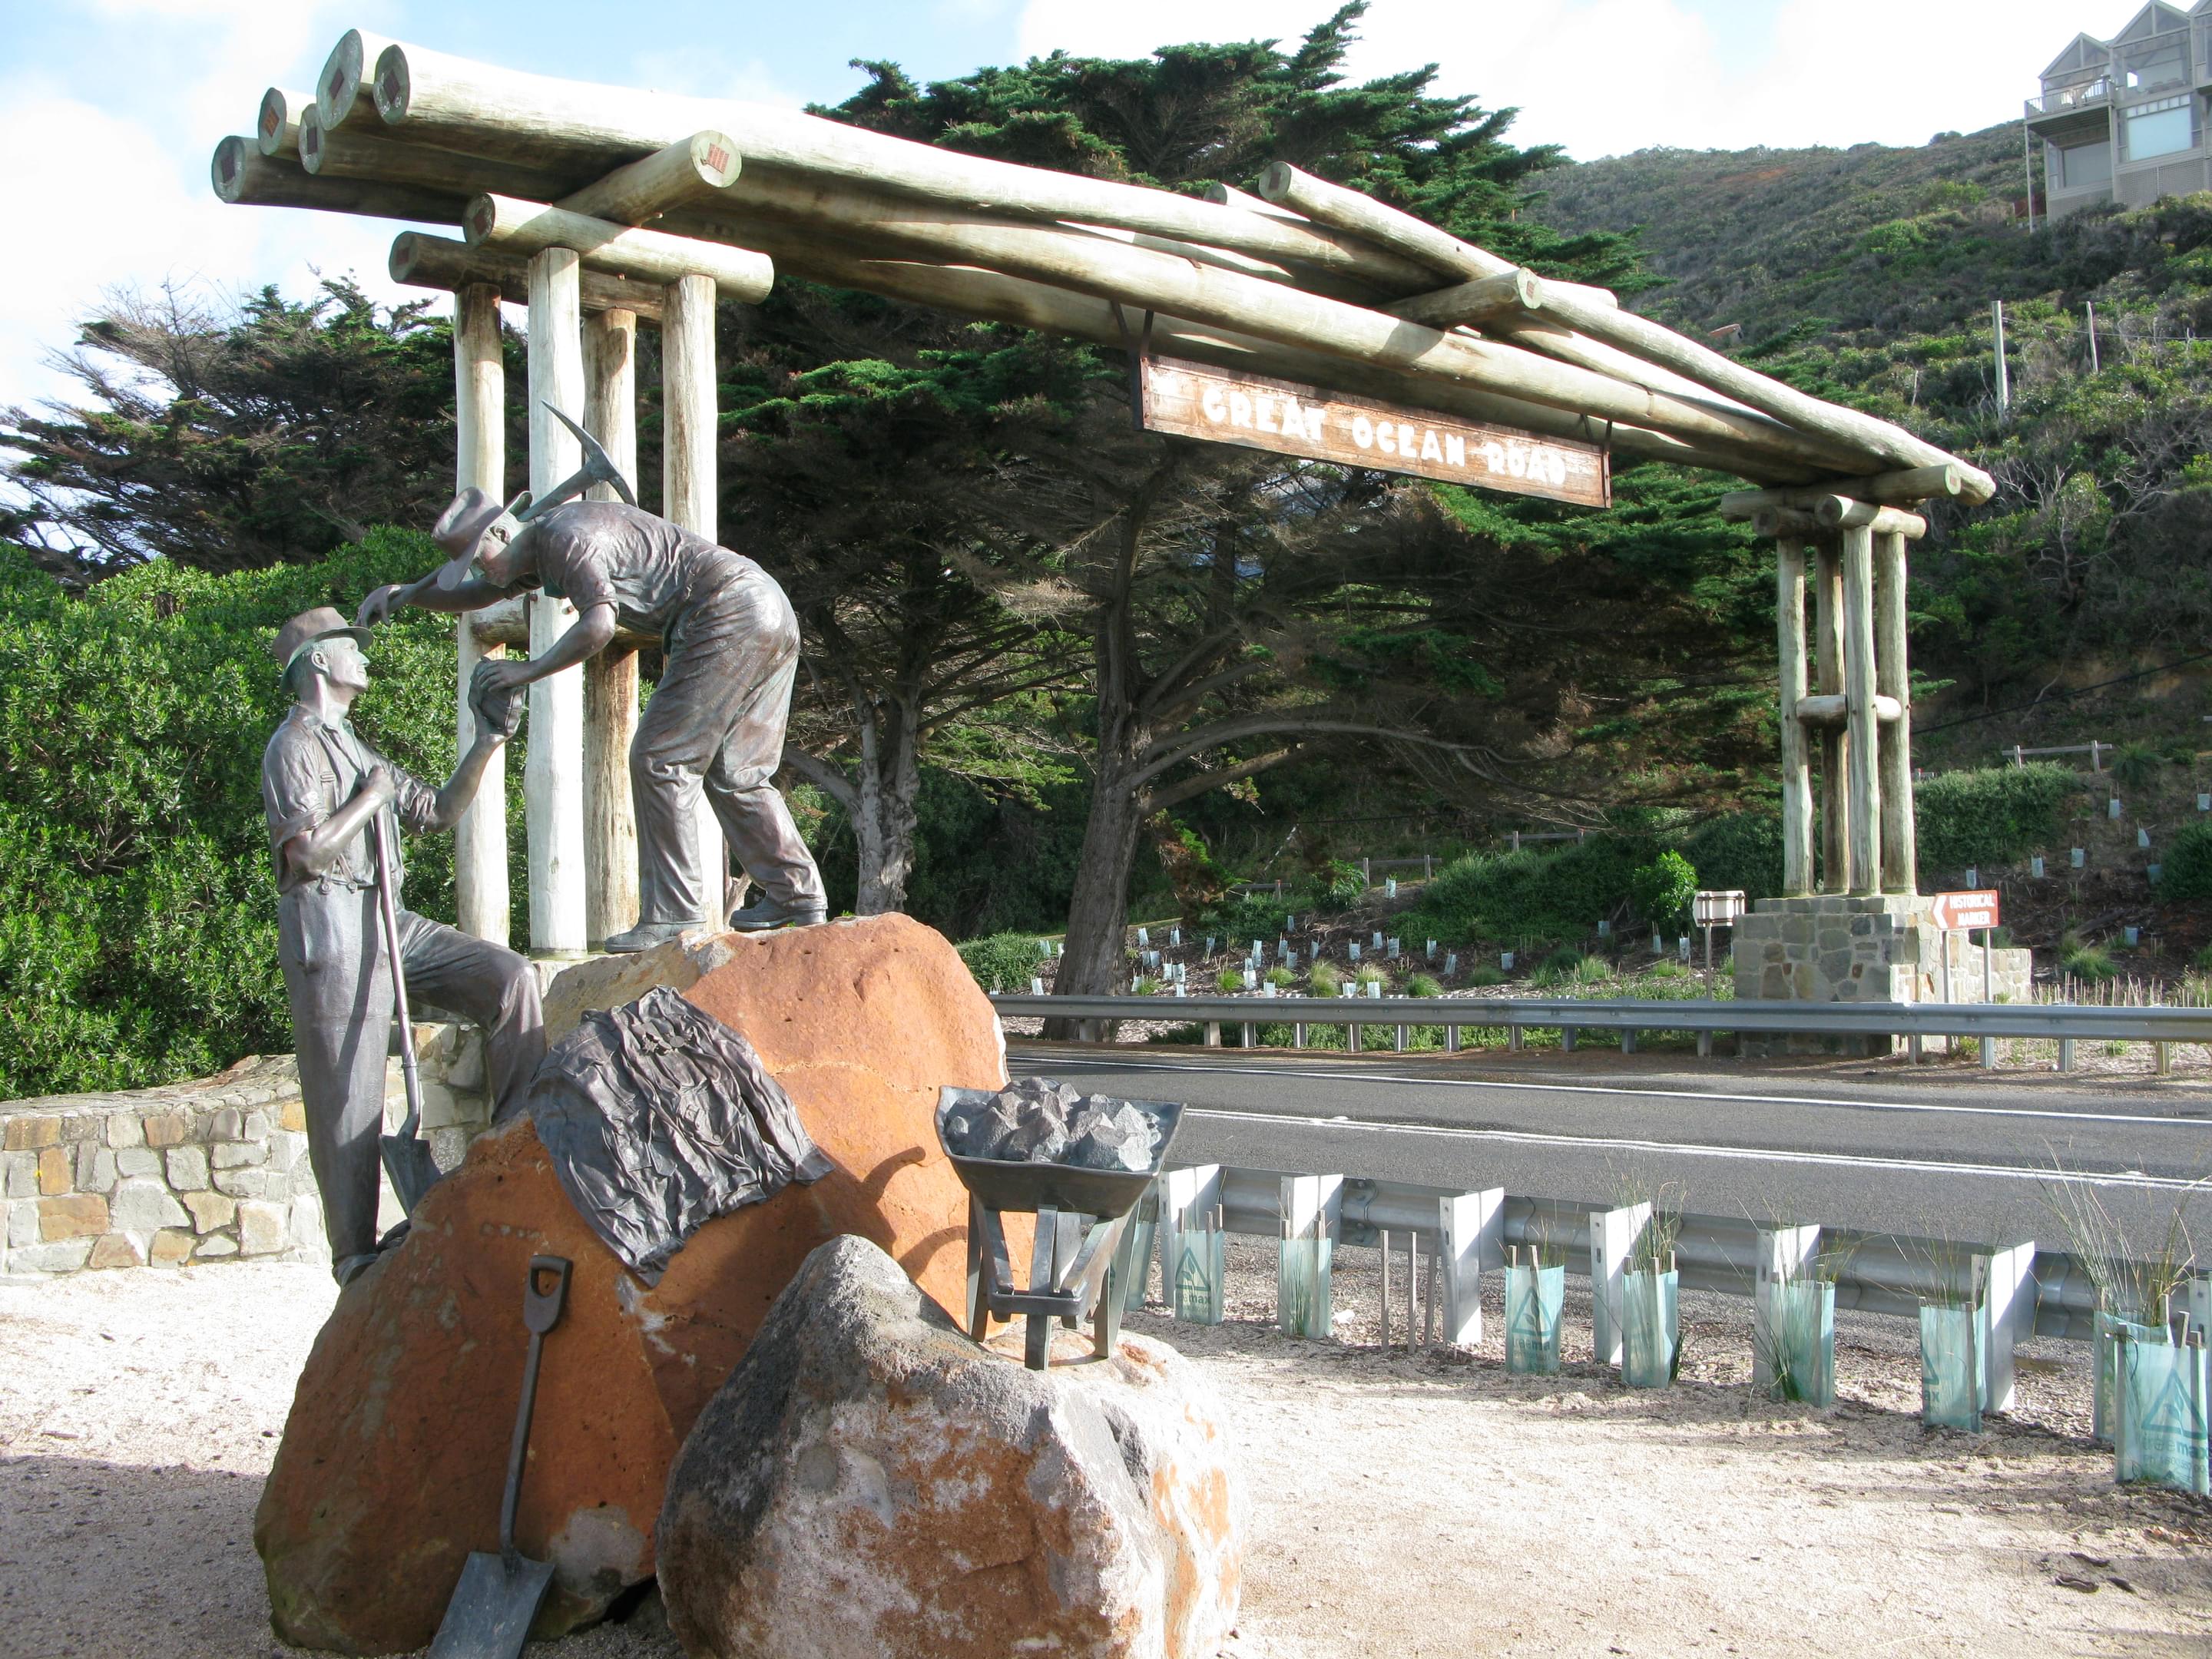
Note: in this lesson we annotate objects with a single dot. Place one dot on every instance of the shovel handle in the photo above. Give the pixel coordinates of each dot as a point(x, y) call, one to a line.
point(541, 1307)
point(541, 1312)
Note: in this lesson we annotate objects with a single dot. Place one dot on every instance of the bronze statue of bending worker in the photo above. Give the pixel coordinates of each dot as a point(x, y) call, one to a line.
point(320, 788)
point(716, 717)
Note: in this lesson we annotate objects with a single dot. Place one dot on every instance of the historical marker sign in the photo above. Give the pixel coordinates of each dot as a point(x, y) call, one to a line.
point(1964, 912)
point(1195, 400)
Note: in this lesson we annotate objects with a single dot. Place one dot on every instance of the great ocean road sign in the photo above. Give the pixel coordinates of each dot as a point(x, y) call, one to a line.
point(1195, 400)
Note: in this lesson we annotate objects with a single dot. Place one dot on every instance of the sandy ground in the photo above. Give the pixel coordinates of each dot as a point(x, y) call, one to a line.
point(1410, 1504)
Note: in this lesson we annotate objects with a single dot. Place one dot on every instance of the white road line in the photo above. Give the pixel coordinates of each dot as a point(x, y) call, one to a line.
point(1735, 1154)
point(1290, 1071)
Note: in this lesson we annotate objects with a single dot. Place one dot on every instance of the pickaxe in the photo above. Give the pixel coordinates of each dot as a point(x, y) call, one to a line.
point(598, 468)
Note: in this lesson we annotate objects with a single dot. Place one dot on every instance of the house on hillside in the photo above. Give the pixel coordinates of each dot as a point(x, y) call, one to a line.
point(2124, 119)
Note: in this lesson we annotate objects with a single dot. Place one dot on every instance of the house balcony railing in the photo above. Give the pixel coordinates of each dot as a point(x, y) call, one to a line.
point(2067, 99)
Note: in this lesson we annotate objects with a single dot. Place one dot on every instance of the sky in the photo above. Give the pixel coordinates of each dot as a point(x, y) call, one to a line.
point(109, 109)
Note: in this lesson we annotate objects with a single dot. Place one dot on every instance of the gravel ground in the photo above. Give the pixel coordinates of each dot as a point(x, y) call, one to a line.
point(1404, 1504)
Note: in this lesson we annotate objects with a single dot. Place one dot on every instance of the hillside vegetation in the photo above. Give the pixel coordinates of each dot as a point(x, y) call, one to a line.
point(1866, 275)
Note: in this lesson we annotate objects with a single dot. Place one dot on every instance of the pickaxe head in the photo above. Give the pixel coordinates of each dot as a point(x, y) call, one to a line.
point(598, 468)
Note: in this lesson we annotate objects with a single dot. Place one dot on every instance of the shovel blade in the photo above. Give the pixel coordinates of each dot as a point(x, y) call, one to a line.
point(490, 1615)
point(409, 1167)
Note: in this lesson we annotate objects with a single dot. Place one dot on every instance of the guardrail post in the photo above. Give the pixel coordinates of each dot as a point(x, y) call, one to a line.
point(1297, 1033)
point(1451, 1039)
point(2066, 1053)
point(1213, 1034)
point(1402, 1043)
point(1988, 1053)
point(2008, 1315)
point(1471, 1234)
point(1628, 1041)
point(1613, 1234)
point(1513, 1038)
point(1785, 1252)
point(2162, 1058)
point(1251, 1035)
point(1704, 1045)
point(1190, 1223)
point(1312, 1210)
point(1566, 1039)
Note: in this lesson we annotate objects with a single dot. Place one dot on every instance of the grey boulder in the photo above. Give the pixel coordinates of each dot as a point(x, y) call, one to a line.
point(869, 1484)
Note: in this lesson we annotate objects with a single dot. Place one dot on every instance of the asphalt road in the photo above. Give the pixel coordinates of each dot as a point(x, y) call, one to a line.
point(1946, 1154)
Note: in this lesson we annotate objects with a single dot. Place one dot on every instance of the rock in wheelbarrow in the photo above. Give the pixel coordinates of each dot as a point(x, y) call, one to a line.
point(869, 1483)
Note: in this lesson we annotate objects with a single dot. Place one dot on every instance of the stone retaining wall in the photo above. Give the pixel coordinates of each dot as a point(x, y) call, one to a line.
point(208, 1170)
point(1835, 948)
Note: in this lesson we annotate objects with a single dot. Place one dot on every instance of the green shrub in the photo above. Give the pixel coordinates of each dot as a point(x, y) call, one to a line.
point(1741, 852)
point(2136, 765)
point(1568, 966)
point(137, 914)
point(2203, 960)
point(1004, 962)
point(2090, 962)
point(1281, 978)
point(1335, 887)
point(1324, 980)
point(1662, 890)
point(1998, 816)
point(1368, 975)
point(1231, 978)
point(1424, 985)
point(1485, 975)
point(2185, 866)
point(1515, 895)
point(1250, 916)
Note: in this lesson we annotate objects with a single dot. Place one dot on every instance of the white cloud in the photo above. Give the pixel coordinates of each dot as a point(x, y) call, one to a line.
point(134, 209)
point(1605, 76)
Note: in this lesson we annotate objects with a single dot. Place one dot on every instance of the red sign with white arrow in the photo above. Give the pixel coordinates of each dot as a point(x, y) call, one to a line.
point(1959, 912)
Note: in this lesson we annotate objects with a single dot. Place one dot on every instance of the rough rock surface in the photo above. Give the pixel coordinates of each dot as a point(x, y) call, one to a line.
point(870, 1485)
point(1039, 1120)
point(393, 1457)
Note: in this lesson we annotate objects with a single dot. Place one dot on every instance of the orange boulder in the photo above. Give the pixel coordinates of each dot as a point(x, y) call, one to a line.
point(394, 1455)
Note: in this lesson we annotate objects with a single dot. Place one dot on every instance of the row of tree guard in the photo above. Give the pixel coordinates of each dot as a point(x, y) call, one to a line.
point(2150, 1368)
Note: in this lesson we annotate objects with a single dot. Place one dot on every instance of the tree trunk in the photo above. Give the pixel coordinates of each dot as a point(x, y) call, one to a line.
point(886, 809)
point(1098, 914)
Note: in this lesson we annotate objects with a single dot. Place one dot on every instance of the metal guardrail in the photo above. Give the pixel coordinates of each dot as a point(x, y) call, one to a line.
point(2062, 1021)
point(1879, 1273)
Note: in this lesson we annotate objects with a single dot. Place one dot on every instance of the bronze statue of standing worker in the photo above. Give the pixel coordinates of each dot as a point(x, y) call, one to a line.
point(323, 790)
point(717, 715)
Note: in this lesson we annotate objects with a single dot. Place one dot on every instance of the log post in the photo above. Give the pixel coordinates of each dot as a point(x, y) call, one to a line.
point(689, 480)
point(1862, 764)
point(610, 677)
point(1797, 770)
point(480, 889)
point(553, 781)
point(1900, 842)
point(1828, 669)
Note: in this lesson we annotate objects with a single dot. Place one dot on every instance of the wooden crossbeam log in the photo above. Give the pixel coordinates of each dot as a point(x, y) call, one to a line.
point(519, 227)
point(1844, 515)
point(1565, 303)
point(688, 172)
point(1904, 488)
point(243, 175)
point(277, 125)
point(350, 153)
point(1065, 258)
point(484, 109)
point(420, 260)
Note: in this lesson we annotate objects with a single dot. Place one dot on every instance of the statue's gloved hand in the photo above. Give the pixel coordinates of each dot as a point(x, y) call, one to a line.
point(378, 607)
point(498, 708)
point(380, 784)
point(499, 674)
